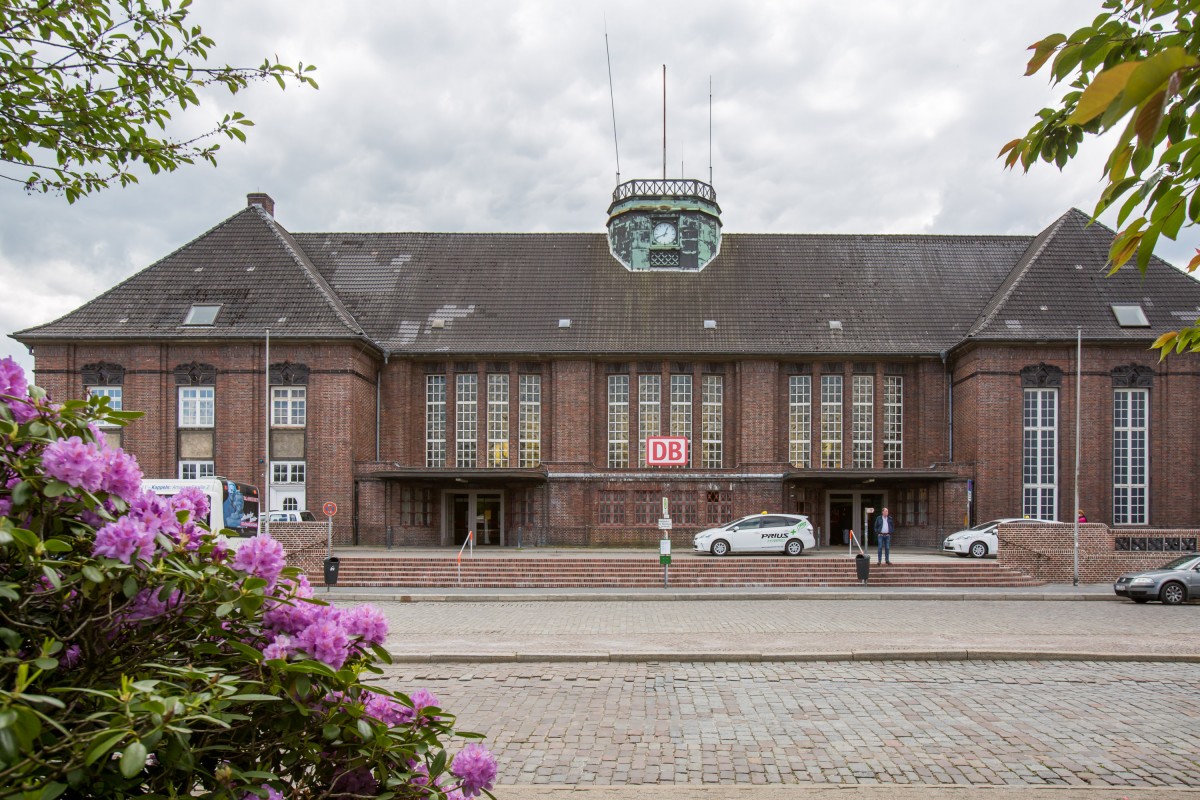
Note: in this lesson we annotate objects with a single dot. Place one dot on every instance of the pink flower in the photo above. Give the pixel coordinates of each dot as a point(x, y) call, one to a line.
point(122, 475)
point(368, 622)
point(281, 647)
point(477, 768)
point(75, 463)
point(15, 390)
point(261, 556)
point(125, 540)
point(325, 639)
point(388, 710)
point(194, 500)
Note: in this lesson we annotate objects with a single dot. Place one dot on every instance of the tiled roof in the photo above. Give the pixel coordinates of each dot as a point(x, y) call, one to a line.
point(247, 264)
point(769, 294)
point(1062, 285)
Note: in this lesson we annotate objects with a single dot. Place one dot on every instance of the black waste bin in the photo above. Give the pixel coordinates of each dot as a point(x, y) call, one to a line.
point(862, 566)
point(331, 570)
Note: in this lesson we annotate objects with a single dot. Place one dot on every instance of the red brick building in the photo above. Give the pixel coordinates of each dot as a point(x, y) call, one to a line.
point(432, 384)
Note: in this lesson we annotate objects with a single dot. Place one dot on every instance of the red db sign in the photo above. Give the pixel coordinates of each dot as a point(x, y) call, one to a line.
point(667, 451)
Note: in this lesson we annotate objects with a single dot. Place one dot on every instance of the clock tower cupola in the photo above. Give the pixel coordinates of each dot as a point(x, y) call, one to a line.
point(664, 225)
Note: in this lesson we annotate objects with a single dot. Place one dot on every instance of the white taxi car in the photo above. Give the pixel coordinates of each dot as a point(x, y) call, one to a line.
point(981, 540)
point(758, 533)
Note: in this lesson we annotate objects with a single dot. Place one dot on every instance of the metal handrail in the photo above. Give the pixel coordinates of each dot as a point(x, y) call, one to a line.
point(470, 540)
point(660, 188)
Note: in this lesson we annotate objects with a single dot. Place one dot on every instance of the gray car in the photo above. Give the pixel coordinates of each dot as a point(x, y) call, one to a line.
point(1172, 583)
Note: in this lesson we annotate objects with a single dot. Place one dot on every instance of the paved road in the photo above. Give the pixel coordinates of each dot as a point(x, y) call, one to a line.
point(881, 725)
point(788, 629)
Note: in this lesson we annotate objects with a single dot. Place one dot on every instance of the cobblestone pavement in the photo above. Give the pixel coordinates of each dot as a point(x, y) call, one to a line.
point(871, 725)
point(788, 629)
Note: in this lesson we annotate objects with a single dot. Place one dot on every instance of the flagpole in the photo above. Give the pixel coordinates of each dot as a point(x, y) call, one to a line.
point(264, 509)
point(1078, 414)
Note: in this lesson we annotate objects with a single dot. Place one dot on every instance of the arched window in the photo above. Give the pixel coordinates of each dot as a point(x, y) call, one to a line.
point(290, 504)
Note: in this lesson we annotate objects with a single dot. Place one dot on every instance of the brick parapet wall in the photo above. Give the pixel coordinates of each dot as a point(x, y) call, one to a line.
point(303, 542)
point(1047, 552)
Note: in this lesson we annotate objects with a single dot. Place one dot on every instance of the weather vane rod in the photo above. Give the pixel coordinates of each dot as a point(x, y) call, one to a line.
point(612, 98)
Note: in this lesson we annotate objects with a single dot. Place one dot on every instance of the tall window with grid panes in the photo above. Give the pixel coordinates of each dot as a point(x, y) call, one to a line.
point(1040, 454)
point(497, 417)
point(196, 421)
point(649, 412)
point(466, 421)
point(1131, 456)
point(831, 421)
point(618, 421)
point(529, 409)
point(435, 420)
point(862, 421)
point(289, 418)
point(800, 421)
point(681, 409)
point(893, 422)
point(712, 421)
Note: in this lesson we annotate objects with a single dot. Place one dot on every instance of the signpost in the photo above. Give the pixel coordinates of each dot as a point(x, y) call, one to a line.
point(330, 508)
point(664, 545)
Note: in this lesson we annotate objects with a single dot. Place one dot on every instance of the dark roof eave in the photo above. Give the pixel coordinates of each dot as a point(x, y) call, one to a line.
point(874, 475)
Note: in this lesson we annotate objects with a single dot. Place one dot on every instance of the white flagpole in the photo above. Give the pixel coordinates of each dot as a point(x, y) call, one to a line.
point(1078, 414)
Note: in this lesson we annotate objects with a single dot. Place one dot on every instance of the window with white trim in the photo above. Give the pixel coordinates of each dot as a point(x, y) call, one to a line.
point(800, 421)
point(530, 411)
point(114, 395)
point(893, 421)
point(497, 420)
point(288, 406)
point(831, 421)
point(712, 390)
point(649, 412)
point(862, 421)
point(435, 420)
point(466, 421)
point(681, 409)
point(191, 470)
point(196, 406)
point(618, 421)
point(1131, 456)
point(1039, 471)
point(288, 471)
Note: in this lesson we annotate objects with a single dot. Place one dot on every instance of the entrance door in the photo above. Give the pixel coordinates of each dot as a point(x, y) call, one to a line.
point(848, 512)
point(481, 512)
point(841, 519)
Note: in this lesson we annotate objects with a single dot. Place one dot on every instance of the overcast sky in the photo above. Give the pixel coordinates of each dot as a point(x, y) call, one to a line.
point(867, 116)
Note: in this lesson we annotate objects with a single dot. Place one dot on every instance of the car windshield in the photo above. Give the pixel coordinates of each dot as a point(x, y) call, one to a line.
point(1176, 563)
point(985, 525)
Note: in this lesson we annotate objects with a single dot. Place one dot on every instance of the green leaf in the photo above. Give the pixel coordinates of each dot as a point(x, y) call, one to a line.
point(1104, 89)
point(133, 759)
point(1042, 50)
point(92, 574)
point(56, 489)
point(52, 790)
point(57, 546)
point(103, 745)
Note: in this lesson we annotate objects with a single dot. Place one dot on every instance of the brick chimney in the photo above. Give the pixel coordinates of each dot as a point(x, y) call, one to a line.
point(262, 200)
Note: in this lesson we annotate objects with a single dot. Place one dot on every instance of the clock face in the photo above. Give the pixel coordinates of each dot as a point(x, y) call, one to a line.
point(664, 233)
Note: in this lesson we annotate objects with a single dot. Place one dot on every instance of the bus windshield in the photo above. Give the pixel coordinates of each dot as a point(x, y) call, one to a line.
point(239, 504)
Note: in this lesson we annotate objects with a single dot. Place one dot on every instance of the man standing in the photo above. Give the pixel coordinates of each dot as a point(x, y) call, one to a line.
point(883, 534)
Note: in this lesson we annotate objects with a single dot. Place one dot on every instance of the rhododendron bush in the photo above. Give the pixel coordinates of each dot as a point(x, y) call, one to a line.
point(142, 656)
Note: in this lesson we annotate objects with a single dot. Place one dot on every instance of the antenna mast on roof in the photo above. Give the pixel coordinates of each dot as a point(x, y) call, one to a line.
point(664, 122)
point(710, 130)
point(612, 99)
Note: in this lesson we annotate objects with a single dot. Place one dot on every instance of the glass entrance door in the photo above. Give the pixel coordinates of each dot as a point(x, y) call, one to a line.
point(482, 512)
point(847, 511)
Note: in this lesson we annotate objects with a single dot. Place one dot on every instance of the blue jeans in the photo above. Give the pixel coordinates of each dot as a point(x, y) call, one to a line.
point(885, 548)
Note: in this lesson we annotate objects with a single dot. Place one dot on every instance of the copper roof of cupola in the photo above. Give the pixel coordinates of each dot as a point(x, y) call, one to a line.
point(771, 295)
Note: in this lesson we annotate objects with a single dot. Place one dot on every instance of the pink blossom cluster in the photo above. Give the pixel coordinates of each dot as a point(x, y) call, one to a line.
point(322, 632)
point(133, 537)
point(14, 391)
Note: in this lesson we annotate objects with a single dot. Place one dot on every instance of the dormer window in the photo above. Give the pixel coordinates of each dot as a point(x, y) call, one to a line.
point(201, 314)
point(1130, 316)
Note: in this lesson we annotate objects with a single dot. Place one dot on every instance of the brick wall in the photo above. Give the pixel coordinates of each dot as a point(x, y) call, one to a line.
point(1047, 552)
point(304, 543)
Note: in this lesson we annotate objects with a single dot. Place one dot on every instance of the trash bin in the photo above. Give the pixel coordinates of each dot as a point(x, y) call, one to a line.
point(331, 570)
point(862, 566)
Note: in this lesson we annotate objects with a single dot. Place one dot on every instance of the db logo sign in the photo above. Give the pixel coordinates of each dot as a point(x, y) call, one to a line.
point(667, 451)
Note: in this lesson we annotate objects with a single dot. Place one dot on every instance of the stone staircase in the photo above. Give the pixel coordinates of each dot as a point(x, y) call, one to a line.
point(601, 572)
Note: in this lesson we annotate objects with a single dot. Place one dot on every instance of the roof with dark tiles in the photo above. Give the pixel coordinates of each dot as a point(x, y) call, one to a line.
point(768, 294)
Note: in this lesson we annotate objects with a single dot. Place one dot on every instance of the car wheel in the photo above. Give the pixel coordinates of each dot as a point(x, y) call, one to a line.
point(978, 549)
point(720, 547)
point(1140, 600)
point(1172, 594)
point(794, 547)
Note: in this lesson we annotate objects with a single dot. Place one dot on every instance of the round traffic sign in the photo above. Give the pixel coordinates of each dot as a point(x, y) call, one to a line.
point(330, 508)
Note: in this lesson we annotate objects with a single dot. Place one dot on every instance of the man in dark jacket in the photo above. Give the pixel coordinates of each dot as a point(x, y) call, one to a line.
point(884, 525)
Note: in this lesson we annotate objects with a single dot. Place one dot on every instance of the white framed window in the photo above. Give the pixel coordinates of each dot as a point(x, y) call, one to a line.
point(831, 421)
point(288, 471)
point(497, 420)
point(681, 409)
point(530, 420)
point(1131, 456)
point(712, 423)
point(113, 393)
point(435, 420)
point(649, 412)
point(1039, 491)
point(893, 422)
point(618, 421)
point(466, 421)
point(191, 470)
point(288, 406)
point(291, 504)
point(862, 421)
point(800, 421)
point(196, 406)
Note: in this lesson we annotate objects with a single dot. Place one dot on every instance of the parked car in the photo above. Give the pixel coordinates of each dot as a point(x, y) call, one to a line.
point(292, 516)
point(1172, 583)
point(980, 540)
point(758, 533)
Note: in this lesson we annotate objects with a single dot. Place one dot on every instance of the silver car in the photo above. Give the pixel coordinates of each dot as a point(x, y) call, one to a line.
point(779, 533)
point(1172, 583)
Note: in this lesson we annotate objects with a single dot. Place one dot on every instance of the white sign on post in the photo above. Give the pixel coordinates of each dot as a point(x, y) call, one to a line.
point(665, 524)
point(664, 547)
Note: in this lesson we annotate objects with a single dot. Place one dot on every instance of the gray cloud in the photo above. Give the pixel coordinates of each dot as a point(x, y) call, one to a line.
point(870, 116)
